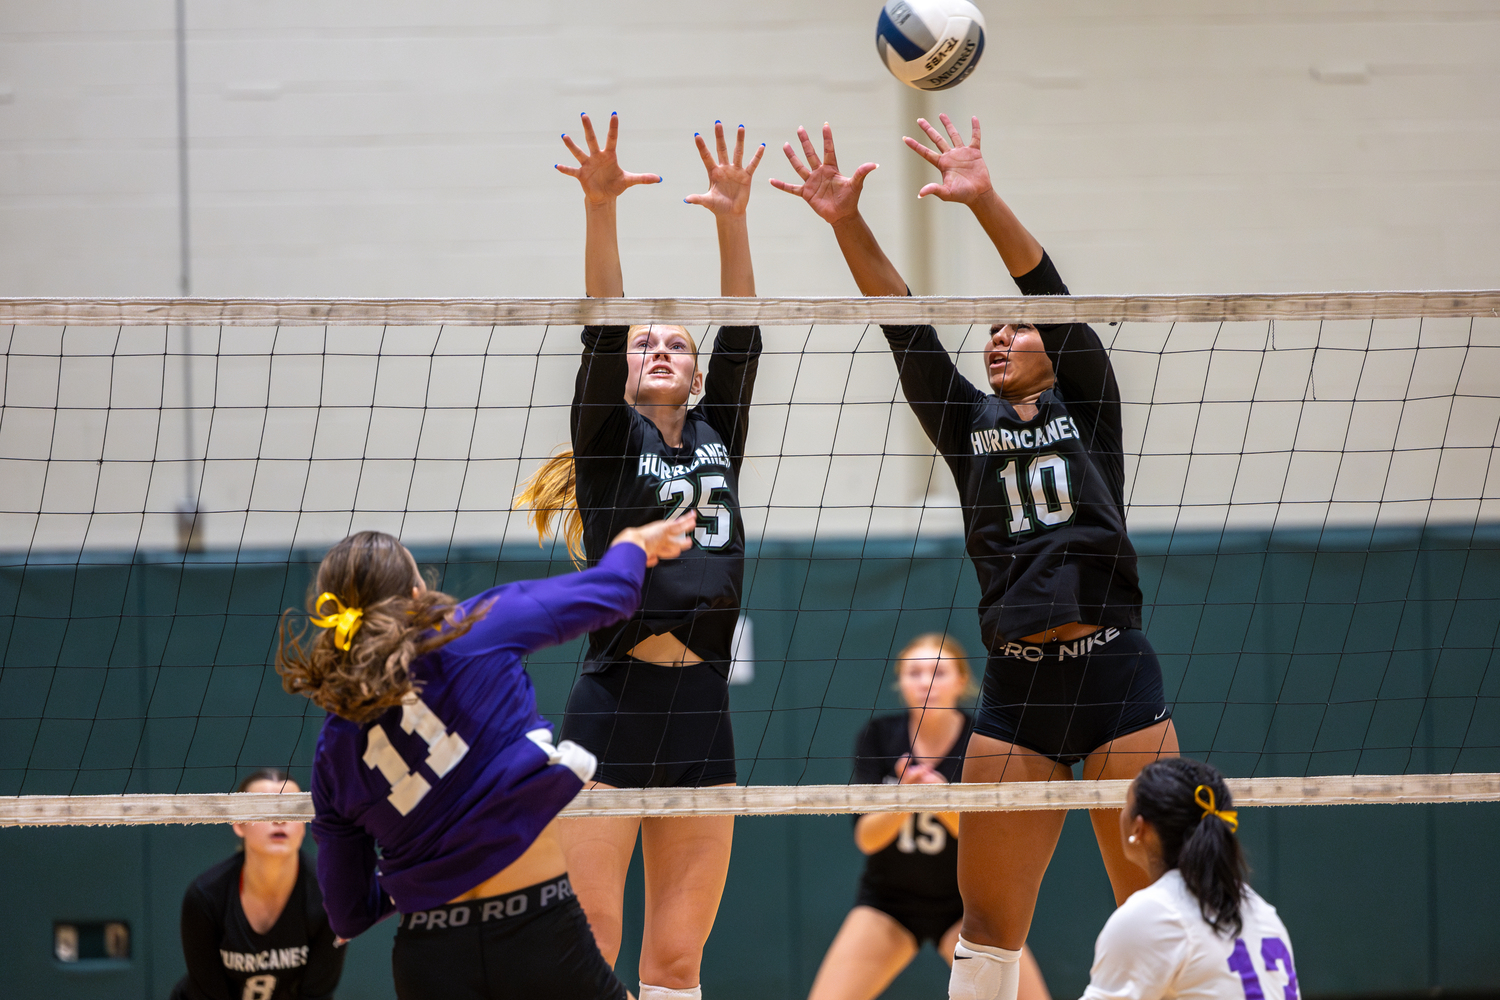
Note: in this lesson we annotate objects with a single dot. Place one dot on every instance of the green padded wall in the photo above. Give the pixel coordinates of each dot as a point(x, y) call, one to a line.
point(1300, 653)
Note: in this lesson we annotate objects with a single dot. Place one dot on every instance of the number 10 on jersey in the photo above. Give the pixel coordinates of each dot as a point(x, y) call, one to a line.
point(1044, 492)
point(709, 495)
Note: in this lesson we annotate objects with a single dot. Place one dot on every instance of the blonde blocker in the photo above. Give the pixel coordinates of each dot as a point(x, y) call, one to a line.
point(374, 572)
point(551, 492)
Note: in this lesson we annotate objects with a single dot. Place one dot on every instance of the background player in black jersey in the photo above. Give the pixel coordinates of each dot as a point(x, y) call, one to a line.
point(1039, 463)
point(652, 702)
point(253, 926)
point(908, 892)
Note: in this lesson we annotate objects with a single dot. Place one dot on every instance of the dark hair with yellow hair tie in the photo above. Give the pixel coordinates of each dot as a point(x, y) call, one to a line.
point(373, 628)
point(1187, 803)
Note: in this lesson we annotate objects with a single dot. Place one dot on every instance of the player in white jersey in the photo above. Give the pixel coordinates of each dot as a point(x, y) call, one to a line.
point(1198, 930)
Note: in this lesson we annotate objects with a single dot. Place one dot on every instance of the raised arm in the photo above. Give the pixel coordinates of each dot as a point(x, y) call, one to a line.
point(599, 394)
point(599, 174)
point(727, 197)
point(1079, 360)
point(534, 614)
point(836, 200)
point(966, 180)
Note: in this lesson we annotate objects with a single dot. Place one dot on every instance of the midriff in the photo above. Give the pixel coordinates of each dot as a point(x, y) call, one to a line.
point(664, 650)
point(543, 860)
point(1062, 633)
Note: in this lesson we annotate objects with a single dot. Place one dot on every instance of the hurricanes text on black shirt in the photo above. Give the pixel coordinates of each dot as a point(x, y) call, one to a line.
point(1043, 499)
point(228, 960)
point(627, 476)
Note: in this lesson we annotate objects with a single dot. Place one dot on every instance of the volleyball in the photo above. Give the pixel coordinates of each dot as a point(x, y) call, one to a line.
point(930, 44)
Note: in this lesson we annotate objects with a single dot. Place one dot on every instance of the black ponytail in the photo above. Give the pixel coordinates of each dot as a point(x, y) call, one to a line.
point(1201, 845)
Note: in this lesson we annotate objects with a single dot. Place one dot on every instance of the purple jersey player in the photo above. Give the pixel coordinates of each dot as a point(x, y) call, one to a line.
point(436, 782)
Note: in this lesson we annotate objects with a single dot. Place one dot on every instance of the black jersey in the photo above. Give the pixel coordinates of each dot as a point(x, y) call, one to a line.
point(1043, 499)
point(922, 862)
point(626, 476)
point(226, 958)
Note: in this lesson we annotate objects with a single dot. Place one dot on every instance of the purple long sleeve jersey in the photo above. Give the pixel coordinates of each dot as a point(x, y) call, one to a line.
point(451, 788)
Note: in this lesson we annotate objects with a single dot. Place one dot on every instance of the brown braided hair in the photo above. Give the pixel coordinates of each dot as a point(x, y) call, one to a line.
point(375, 573)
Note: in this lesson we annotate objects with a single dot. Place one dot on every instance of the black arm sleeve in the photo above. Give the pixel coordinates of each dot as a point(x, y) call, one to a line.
point(730, 384)
point(942, 399)
point(600, 424)
point(201, 933)
point(869, 761)
point(325, 961)
point(1081, 364)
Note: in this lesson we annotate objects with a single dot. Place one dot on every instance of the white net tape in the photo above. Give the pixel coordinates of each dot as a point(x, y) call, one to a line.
point(784, 311)
point(769, 800)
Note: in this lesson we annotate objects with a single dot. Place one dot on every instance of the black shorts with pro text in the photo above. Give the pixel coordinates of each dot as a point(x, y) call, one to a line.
point(653, 726)
point(533, 944)
point(1067, 699)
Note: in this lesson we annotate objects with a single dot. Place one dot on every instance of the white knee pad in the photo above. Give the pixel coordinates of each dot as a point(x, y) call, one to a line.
point(649, 992)
point(981, 972)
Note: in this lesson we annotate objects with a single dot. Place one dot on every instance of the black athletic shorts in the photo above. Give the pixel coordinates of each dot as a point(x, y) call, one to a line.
point(654, 727)
point(534, 944)
point(1066, 699)
point(926, 919)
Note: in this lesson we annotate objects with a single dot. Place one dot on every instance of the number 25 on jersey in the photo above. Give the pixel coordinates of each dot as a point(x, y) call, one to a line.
point(708, 494)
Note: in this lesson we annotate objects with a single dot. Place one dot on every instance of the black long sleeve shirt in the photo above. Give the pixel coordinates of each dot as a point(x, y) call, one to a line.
point(228, 960)
point(626, 475)
point(1043, 499)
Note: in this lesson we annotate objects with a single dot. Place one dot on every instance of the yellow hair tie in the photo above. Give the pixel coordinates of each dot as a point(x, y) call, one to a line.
point(1230, 816)
point(345, 622)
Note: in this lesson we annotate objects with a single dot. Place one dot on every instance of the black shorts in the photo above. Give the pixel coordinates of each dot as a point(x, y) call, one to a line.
point(1066, 699)
point(926, 919)
point(654, 727)
point(534, 944)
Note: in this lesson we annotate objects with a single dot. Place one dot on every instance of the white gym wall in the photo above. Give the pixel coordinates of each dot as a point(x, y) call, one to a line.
point(367, 149)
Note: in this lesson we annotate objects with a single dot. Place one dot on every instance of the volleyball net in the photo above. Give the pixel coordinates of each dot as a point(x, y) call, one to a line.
point(1311, 482)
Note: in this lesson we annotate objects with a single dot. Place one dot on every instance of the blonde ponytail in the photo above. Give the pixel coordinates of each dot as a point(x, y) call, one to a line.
point(552, 492)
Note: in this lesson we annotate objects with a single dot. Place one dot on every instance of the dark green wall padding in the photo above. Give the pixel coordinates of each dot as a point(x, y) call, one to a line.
point(1348, 651)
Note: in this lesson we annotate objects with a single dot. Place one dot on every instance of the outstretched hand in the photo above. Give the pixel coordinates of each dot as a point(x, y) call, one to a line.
point(661, 539)
point(965, 176)
point(728, 182)
point(599, 171)
point(829, 193)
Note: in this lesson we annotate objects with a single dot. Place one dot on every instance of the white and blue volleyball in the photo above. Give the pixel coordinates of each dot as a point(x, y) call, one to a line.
point(930, 44)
